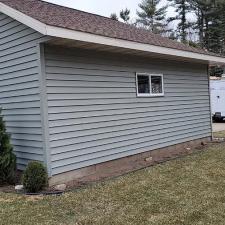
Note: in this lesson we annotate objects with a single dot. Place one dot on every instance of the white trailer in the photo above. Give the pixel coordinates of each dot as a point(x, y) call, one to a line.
point(217, 89)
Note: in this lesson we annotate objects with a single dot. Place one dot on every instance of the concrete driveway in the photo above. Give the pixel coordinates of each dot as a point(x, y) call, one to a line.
point(218, 126)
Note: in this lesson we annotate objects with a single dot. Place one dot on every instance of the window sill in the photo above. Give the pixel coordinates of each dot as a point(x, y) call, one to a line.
point(149, 95)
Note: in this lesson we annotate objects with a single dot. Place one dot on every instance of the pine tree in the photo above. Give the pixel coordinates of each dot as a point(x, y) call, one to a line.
point(182, 7)
point(203, 11)
point(210, 24)
point(125, 15)
point(113, 16)
point(216, 71)
point(216, 28)
point(7, 158)
point(152, 17)
point(172, 35)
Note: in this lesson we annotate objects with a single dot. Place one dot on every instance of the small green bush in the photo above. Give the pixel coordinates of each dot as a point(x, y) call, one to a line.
point(7, 157)
point(35, 177)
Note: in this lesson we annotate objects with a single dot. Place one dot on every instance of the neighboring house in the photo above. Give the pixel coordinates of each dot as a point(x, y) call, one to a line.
point(92, 97)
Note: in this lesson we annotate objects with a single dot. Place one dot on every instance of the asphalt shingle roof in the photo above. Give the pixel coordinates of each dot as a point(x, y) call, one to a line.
point(59, 16)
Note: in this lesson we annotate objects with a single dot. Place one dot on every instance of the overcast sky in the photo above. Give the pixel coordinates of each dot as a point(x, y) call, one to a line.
point(103, 7)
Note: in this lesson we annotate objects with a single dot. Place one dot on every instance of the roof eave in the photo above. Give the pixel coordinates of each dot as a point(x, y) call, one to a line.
point(97, 39)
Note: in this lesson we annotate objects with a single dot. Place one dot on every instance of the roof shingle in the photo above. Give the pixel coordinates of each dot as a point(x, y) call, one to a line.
point(59, 16)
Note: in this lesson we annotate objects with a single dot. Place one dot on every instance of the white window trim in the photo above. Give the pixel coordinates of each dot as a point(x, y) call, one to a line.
point(150, 94)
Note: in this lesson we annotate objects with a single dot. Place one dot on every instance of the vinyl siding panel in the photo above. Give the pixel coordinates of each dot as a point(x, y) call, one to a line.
point(19, 88)
point(95, 115)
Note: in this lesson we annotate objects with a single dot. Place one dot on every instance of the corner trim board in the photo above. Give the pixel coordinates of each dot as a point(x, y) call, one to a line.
point(210, 102)
point(44, 108)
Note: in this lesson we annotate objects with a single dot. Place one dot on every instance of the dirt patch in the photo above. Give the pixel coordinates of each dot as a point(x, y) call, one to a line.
point(34, 198)
point(6, 188)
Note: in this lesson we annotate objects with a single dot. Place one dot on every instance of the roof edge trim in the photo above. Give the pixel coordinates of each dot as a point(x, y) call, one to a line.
point(98, 39)
point(23, 18)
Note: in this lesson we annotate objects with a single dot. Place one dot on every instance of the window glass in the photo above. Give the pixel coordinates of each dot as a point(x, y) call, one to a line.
point(156, 85)
point(143, 84)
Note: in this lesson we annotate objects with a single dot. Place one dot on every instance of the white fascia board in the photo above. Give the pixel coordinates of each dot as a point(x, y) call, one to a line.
point(24, 19)
point(97, 39)
point(92, 38)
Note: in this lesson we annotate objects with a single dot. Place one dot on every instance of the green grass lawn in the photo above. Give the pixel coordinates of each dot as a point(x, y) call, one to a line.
point(220, 134)
point(186, 191)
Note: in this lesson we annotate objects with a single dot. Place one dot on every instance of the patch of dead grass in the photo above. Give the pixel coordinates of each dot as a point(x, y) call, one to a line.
point(186, 191)
point(220, 134)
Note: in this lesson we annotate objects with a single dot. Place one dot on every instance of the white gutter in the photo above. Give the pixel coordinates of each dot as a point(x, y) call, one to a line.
point(98, 39)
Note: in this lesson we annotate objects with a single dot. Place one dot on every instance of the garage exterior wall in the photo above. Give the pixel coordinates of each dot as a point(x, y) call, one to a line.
point(20, 88)
point(95, 116)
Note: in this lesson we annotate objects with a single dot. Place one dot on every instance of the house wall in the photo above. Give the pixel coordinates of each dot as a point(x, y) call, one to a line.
point(20, 88)
point(95, 115)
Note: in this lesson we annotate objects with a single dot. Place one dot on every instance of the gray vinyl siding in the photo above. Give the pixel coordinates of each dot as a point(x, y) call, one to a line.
point(19, 88)
point(95, 115)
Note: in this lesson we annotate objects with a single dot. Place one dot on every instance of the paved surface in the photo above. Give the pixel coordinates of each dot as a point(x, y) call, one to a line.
point(218, 127)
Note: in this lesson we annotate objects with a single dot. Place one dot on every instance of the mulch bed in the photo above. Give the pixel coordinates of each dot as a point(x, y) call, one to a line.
point(7, 188)
point(10, 188)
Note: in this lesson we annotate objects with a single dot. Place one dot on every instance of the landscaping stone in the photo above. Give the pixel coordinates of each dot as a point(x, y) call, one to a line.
point(60, 187)
point(19, 188)
point(218, 140)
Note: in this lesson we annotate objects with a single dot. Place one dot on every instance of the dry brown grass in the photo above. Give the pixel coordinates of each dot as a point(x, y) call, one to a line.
point(220, 134)
point(187, 191)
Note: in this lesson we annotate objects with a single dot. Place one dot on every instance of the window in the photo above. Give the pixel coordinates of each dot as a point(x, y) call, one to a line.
point(149, 85)
point(143, 84)
point(156, 85)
